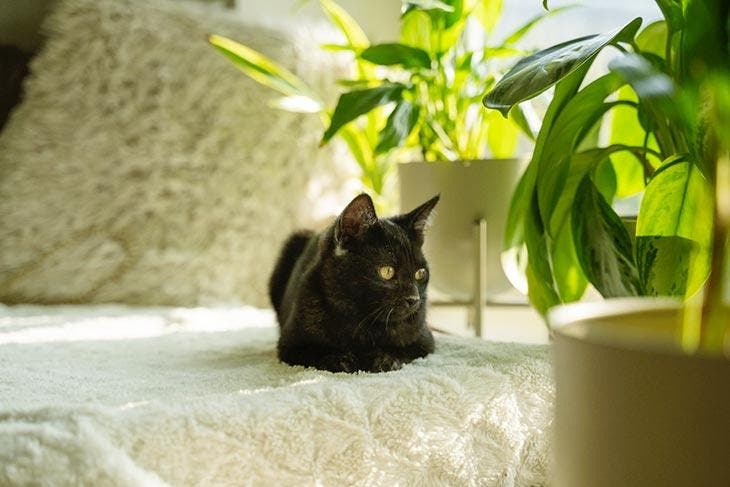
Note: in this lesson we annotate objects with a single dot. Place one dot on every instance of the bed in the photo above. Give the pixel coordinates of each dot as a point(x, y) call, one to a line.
point(114, 395)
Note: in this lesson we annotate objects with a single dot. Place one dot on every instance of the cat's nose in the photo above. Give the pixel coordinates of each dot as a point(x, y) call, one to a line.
point(412, 300)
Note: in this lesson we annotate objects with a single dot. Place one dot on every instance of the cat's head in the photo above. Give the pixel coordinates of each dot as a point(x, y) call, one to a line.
point(375, 267)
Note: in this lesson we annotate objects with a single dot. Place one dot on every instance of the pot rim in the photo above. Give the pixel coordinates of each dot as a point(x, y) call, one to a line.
point(559, 317)
point(586, 322)
point(613, 323)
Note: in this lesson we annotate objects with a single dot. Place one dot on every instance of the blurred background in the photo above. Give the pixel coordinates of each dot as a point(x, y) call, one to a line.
point(379, 18)
point(138, 166)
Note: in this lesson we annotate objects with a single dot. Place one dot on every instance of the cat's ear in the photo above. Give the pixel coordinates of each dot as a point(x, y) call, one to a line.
point(417, 220)
point(356, 218)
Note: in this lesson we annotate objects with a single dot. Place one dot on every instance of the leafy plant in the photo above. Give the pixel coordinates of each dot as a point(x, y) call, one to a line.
point(441, 78)
point(418, 94)
point(562, 229)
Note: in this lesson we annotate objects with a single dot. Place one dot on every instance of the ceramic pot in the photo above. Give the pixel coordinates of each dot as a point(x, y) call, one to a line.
point(470, 190)
point(631, 409)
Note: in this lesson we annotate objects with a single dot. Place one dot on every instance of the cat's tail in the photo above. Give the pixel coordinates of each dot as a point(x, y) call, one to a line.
point(291, 251)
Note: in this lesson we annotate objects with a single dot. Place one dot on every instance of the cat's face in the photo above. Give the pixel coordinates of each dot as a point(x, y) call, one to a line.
point(375, 268)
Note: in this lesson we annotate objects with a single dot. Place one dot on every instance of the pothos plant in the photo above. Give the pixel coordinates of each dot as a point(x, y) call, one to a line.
point(419, 94)
point(663, 143)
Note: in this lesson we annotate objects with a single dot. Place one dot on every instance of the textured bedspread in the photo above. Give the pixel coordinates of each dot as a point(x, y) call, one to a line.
point(168, 396)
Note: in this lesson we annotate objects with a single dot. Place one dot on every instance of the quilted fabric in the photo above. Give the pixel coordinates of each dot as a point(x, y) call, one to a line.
point(127, 397)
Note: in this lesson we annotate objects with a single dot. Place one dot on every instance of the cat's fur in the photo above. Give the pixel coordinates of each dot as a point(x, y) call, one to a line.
point(335, 311)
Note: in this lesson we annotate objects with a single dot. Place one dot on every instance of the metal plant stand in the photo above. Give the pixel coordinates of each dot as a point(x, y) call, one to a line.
point(479, 299)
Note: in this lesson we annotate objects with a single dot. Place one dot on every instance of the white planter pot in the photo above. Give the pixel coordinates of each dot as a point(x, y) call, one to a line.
point(470, 190)
point(631, 409)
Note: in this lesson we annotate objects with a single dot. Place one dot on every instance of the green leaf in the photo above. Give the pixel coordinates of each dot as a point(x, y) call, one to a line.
point(393, 53)
point(524, 217)
point(358, 102)
point(260, 68)
point(464, 62)
point(517, 115)
point(352, 31)
point(449, 27)
point(653, 38)
point(536, 73)
point(545, 4)
point(456, 15)
point(502, 136)
point(359, 148)
point(488, 13)
point(570, 281)
point(497, 52)
point(581, 164)
point(658, 96)
point(337, 47)
point(347, 25)
point(542, 294)
point(705, 40)
point(416, 30)
point(677, 202)
point(578, 115)
point(672, 11)
point(521, 31)
point(651, 85)
point(358, 83)
point(522, 197)
point(514, 235)
point(626, 130)
point(604, 177)
point(603, 245)
point(398, 127)
point(663, 264)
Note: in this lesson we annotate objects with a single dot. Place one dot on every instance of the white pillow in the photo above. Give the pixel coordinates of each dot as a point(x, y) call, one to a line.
point(143, 168)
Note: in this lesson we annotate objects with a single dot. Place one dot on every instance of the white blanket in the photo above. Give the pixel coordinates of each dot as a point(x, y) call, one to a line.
point(111, 395)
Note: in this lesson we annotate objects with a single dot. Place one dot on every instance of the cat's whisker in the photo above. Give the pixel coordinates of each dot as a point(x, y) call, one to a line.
point(387, 318)
point(374, 314)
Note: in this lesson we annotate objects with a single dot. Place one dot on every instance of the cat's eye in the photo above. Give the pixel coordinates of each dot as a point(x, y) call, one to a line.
point(386, 272)
point(420, 274)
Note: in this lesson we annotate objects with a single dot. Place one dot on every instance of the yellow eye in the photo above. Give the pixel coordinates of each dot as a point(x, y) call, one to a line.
point(386, 272)
point(420, 274)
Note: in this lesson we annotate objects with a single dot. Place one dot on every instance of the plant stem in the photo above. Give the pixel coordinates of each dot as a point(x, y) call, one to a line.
point(715, 309)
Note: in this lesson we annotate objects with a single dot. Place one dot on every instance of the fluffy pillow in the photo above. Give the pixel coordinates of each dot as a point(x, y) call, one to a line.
point(143, 168)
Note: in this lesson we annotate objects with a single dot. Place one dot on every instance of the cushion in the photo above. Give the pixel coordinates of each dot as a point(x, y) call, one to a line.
point(142, 167)
point(110, 395)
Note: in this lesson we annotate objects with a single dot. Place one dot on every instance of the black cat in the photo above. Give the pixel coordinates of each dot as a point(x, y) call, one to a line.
point(353, 297)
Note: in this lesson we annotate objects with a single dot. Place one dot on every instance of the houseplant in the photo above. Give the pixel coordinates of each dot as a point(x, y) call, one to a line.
point(561, 212)
point(418, 98)
point(641, 384)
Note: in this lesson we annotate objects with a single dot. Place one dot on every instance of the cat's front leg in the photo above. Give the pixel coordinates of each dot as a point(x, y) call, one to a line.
point(320, 358)
point(382, 361)
point(338, 362)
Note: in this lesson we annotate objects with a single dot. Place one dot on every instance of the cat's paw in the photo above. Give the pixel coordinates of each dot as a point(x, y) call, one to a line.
point(385, 363)
point(345, 362)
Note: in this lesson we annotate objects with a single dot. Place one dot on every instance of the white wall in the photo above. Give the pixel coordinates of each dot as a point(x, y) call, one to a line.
point(19, 19)
point(378, 18)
